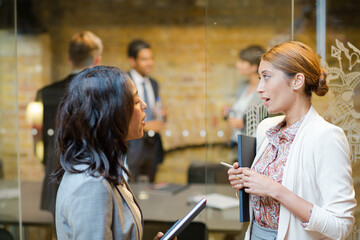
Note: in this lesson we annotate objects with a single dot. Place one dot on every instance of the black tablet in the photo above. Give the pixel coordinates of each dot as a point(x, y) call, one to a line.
point(181, 224)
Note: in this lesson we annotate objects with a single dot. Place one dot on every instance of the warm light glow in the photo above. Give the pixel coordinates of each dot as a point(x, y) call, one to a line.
point(34, 113)
point(39, 150)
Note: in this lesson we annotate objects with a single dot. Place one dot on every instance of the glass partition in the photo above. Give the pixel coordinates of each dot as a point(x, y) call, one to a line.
point(342, 44)
point(10, 217)
point(232, 27)
point(331, 27)
point(196, 46)
point(236, 29)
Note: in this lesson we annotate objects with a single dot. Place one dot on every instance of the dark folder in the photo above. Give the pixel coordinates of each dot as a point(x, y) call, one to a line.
point(246, 155)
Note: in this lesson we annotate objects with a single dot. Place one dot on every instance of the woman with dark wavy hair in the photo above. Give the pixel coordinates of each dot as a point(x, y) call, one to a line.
point(100, 111)
point(300, 182)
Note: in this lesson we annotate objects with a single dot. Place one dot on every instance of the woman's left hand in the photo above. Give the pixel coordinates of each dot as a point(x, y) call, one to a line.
point(160, 234)
point(259, 184)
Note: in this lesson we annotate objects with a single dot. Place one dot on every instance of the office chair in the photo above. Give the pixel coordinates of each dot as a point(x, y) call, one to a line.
point(5, 234)
point(214, 172)
point(194, 231)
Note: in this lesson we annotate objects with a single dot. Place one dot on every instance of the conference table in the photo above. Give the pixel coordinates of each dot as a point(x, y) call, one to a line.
point(31, 214)
point(163, 206)
point(156, 205)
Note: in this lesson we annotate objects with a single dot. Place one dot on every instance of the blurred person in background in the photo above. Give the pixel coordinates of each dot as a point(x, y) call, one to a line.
point(147, 152)
point(247, 66)
point(85, 50)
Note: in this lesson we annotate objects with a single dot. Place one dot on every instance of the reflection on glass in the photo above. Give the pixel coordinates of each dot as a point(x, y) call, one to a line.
point(342, 54)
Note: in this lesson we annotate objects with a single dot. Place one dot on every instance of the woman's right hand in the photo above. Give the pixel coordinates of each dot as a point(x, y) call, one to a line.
point(235, 176)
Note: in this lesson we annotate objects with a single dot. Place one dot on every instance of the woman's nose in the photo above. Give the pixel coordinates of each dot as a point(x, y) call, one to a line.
point(144, 105)
point(260, 87)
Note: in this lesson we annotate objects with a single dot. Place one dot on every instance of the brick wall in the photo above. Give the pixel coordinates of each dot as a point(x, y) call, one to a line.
point(34, 69)
point(8, 105)
point(180, 67)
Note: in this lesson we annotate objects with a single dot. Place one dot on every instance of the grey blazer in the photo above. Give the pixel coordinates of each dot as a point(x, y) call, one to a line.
point(92, 208)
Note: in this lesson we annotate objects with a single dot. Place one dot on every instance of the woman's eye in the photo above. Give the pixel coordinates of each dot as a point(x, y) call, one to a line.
point(266, 77)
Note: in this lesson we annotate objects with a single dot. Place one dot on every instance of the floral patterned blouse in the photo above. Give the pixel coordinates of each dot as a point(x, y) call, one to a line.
point(271, 164)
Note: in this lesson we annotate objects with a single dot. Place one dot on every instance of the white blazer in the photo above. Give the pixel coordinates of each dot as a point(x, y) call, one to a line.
point(318, 169)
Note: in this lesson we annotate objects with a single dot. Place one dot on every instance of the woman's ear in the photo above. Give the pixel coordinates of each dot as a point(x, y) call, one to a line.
point(97, 61)
point(298, 81)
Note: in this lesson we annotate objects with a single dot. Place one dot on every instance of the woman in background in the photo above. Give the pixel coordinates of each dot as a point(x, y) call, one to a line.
point(247, 66)
point(300, 182)
point(98, 114)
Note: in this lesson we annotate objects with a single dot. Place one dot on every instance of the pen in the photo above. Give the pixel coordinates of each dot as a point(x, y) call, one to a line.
point(226, 164)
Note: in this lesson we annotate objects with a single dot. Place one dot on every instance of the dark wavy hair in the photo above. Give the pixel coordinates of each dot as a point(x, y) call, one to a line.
point(136, 46)
point(92, 124)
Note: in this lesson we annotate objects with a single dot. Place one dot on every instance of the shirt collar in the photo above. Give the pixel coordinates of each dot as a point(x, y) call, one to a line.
point(137, 78)
point(274, 134)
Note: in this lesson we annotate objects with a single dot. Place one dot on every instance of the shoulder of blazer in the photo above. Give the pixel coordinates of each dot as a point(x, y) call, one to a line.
point(153, 82)
point(318, 129)
point(269, 122)
point(61, 85)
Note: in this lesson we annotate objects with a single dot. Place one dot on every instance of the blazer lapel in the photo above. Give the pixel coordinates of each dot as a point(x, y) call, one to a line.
point(292, 164)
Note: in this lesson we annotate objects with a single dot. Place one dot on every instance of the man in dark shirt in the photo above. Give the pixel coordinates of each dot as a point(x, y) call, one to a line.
point(85, 51)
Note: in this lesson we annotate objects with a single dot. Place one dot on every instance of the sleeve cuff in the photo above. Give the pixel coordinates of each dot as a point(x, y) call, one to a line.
point(306, 224)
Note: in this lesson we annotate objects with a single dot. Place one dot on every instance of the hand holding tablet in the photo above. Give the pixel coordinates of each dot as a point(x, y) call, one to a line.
point(181, 224)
